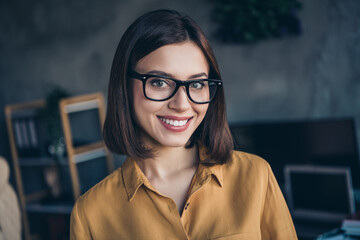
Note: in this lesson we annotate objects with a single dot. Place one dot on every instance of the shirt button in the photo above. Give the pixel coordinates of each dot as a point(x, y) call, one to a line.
point(187, 205)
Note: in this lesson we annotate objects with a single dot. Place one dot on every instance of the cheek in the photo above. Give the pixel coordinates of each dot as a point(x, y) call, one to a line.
point(201, 109)
point(136, 91)
point(144, 109)
point(138, 102)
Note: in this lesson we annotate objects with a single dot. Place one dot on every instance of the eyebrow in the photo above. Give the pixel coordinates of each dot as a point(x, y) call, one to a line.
point(161, 73)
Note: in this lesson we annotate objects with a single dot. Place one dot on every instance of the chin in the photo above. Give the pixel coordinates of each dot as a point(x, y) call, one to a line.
point(173, 143)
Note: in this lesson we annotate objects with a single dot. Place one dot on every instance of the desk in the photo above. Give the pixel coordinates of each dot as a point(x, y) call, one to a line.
point(311, 229)
point(336, 234)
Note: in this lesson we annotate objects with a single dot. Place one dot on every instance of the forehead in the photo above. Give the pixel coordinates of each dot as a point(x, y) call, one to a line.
point(180, 60)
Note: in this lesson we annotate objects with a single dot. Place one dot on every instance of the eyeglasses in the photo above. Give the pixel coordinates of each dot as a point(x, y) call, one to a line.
point(162, 88)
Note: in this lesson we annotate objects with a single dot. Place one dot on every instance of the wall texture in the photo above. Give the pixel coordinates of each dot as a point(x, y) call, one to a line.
point(71, 44)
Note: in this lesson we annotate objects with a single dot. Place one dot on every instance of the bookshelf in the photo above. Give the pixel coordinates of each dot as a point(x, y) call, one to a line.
point(28, 142)
point(48, 185)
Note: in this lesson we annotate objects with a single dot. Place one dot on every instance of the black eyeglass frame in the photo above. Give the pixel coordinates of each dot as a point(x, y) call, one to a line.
point(179, 83)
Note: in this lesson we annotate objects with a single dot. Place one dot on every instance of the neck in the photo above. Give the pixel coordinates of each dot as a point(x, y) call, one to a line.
point(169, 161)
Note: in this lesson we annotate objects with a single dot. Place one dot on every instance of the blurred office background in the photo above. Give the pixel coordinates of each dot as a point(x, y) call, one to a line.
point(72, 43)
point(312, 76)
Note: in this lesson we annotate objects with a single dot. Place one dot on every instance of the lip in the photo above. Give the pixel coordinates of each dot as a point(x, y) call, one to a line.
point(175, 117)
point(175, 128)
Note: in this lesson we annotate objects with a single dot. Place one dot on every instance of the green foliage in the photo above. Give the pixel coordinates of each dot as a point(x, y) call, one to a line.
point(51, 113)
point(248, 21)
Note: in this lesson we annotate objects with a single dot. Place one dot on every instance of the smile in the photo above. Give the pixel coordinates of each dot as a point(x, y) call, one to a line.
point(175, 123)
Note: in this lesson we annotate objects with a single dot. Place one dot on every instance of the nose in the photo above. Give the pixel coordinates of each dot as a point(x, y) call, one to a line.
point(180, 102)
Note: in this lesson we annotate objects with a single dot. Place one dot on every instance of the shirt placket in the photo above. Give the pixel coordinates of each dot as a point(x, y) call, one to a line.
point(196, 185)
point(168, 207)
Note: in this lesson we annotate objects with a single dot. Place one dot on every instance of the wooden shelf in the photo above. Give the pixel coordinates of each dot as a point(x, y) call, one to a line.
point(33, 165)
point(55, 208)
point(43, 161)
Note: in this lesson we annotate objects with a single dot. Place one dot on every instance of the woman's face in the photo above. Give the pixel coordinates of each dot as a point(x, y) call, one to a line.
point(172, 122)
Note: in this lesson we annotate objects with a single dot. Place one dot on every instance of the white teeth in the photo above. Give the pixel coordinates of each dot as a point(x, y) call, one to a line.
point(174, 122)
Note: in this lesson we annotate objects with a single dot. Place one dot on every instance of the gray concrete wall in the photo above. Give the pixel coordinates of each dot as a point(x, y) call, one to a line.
point(71, 44)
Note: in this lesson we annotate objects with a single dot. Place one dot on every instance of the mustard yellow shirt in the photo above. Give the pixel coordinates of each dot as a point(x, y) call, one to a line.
point(238, 200)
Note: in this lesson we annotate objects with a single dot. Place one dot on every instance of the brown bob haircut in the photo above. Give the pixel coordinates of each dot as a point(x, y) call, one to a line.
point(148, 33)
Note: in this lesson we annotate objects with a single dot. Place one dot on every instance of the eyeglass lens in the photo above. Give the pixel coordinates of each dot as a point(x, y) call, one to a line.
point(162, 88)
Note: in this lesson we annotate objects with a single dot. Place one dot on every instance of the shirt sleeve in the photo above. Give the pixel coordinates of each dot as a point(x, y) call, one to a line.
point(78, 230)
point(276, 222)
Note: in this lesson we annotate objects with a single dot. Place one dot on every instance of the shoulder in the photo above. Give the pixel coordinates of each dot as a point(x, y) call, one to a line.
point(92, 207)
point(102, 192)
point(248, 162)
point(249, 170)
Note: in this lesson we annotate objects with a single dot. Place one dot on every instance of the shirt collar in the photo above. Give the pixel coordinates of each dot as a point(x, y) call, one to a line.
point(134, 178)
point(215, 170)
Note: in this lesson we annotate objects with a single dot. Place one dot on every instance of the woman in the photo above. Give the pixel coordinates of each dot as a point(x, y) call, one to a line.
point(166, 111)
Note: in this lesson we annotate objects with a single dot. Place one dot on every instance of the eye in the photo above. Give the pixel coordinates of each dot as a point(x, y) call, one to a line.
point(197, 85)
point(159, 83)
